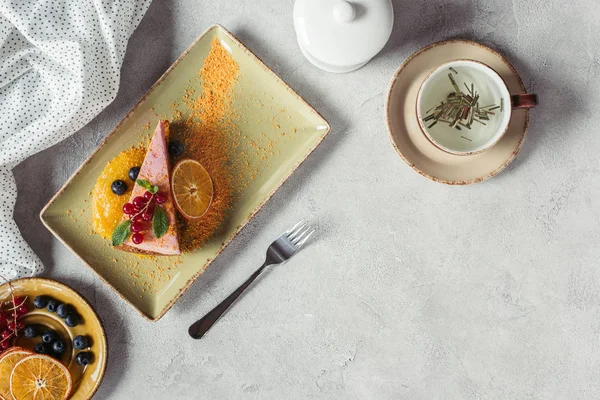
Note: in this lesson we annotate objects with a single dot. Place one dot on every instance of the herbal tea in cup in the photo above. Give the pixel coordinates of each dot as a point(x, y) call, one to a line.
point(464, 107)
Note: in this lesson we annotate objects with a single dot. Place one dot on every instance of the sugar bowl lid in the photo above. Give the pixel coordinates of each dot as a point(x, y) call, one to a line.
point(340, 35)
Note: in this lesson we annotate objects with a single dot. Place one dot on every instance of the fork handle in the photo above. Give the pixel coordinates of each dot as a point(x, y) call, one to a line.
point(200, 327)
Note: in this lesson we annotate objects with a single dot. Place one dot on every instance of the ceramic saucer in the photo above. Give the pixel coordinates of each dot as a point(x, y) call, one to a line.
point(412, 145)
point(86, 380)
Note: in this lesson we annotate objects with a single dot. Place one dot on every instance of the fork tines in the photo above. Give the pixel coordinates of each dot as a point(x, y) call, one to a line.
point(300, 233)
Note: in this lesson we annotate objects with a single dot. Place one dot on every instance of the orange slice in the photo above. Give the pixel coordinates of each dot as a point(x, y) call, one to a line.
point(192, 188)
point(8, 359)
point(39, 377)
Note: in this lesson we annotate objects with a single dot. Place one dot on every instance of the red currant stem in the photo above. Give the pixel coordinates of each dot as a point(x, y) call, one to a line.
point(5, 339)
point(16, 307)
point(145, 207)
point(12, 297)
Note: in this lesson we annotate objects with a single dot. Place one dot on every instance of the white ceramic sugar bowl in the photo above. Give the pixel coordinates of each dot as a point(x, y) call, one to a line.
point(342, 36)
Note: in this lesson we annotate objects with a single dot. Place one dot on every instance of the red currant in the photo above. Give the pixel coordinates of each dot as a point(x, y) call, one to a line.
point(20, 326)
point(128, 208)
point(137, 238)
point(22, 310)
point(6, 334)
point(136, 227)
point(150, 209)
point(4, 345)
point(160, 198)
point(17, 301)
point(148, 195)
point(139, 202)
point(11, 326)
point(136, 217)
point(3, 316)
point(146, 216)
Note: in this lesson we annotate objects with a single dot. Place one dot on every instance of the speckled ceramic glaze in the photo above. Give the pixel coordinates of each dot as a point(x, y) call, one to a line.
point(86, 381)
point(258, 95)
point(414, 147)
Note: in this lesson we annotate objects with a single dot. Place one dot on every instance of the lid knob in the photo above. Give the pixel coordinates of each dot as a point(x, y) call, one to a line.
point(342, 35)
point(344, 11)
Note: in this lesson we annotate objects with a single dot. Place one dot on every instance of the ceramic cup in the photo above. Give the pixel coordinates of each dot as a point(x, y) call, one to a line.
point(467, 137)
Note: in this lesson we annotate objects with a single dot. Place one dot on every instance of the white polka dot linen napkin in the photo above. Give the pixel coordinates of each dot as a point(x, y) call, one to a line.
point(60, 64)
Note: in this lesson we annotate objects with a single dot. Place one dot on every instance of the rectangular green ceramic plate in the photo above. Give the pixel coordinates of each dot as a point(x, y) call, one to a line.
point(152, 285)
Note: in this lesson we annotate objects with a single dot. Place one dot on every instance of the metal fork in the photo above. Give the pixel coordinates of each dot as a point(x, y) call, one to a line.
point(278, 252)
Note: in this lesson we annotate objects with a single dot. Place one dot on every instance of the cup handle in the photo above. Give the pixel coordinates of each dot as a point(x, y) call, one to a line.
point(520, 101)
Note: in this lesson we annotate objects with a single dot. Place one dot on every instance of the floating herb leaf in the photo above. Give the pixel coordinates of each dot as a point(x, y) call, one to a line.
point(147, 185)
point(160, 222)
point(460, 108)
point(121, 233)
point(456, 88)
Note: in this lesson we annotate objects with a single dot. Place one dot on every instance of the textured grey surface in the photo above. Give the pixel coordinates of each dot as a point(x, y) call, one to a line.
point(412, 290)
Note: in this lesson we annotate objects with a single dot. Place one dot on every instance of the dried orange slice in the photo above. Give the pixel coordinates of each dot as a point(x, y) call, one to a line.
point(192, 188)
point(8, 359)
point(39, 377)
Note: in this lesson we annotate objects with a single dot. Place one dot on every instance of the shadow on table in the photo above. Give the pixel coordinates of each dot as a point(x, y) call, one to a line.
point(417, 24)
point(338, 120)
point(34, 188)
point(559, 107)
point(118, 336)
point(148, 56)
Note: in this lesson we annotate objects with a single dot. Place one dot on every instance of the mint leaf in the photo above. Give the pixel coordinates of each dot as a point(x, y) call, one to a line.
point(160, 222)
point(144, 183)
point(147, 185)
point(121, 233)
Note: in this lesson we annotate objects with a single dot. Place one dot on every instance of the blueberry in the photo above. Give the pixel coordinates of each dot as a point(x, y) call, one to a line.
point(72, 320)
point(52, 305)
point(81, 342)
point(42, 348)
point(58, 347)
point(63, 310)
point(30, 332)
point(49, 336)
point(133, 173)
point(40, 301)
point(84, 358)
point(176, 148)
point(118, 187)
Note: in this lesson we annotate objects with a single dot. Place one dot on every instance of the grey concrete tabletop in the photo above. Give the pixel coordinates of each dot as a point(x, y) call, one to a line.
point(411, 289)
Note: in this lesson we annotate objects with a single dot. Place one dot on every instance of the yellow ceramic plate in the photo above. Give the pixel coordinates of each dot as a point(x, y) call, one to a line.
point(268, 112)
point(414, 147)
point(85, 380)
